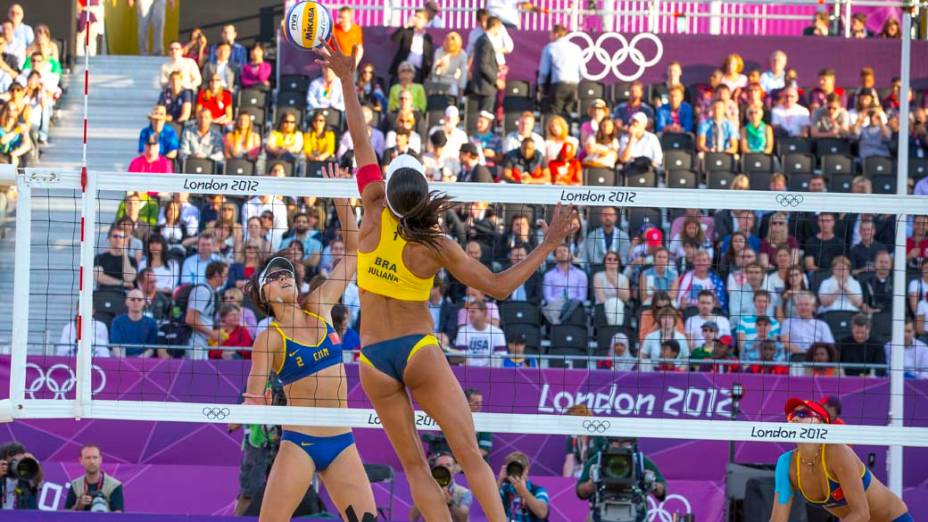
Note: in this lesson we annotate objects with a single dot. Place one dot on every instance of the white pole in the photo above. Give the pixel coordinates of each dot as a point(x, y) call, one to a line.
point(21, 275)
point(896, 362)
point(847, 19)
point(82, 405)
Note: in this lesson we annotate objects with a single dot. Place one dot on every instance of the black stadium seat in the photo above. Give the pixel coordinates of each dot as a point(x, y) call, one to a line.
point(590, 90)
point(832, 146)
point(199, 166)
point(240, 167)
point(681, 179)
point(884, 183)
point(600, 177)
point(787, 145)
point(295, 83)
point(252, 98)
point(837, 164)
point(719, 162)
point(519, 312)
point(918, 168)
point(532, 335)
point(678, 159)
point(754, 163)
point(798, 163)
point(879, 165)
point(678, 140)
point(518, 89)
point(719, 180)
point(568, 340)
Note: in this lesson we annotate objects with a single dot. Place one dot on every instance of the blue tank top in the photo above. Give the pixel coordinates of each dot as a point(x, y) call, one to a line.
point(302, 360)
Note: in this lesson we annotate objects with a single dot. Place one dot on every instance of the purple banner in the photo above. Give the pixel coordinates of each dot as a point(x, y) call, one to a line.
point(698, 54)
point(140, 449)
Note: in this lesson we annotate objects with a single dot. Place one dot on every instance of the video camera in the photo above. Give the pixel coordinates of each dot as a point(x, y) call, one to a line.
point(622, 484)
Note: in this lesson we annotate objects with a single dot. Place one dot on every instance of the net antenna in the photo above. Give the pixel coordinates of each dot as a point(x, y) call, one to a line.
point(100, 181)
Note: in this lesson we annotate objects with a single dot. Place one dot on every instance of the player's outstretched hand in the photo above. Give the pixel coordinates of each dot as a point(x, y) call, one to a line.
point(331, 171)
point(562, 225)
point(331, 56)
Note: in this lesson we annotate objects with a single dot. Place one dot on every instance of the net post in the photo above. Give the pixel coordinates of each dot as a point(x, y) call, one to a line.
point(21, 276)
point(84, 362)
point(897, 363)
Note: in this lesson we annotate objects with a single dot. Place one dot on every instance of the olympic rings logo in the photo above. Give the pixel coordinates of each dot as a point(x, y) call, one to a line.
point(60, 380)
point(662, 512)
point(596, 426)
point(216, 413)
point(789, 200)
point(628, 50)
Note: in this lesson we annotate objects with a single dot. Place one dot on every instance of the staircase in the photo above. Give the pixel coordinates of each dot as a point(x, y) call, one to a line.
point(123, 89)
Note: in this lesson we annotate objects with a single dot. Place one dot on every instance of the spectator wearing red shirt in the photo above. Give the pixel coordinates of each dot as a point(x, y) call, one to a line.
point(768, 354)
point(916, 245)
point(232, 333)
point(826, 86)
point(670, 349)
point(347, 33)
point(216, 100)
point(151, 161)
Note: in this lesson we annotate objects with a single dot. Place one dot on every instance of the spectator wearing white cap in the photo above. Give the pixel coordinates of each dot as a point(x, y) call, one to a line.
point(485, 137)
point(449, 124)
point(639, 143)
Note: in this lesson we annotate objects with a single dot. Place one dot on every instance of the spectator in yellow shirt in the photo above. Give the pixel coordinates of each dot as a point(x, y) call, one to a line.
point(286, 141)
point(319, 141)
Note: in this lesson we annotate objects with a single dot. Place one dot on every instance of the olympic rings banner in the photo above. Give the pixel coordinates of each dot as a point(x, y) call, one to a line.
point(165, 445)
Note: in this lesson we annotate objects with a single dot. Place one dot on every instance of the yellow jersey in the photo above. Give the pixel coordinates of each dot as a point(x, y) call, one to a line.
point(383, 271)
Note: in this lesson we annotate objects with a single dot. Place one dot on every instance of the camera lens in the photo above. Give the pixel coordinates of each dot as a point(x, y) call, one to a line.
point(514, 469)
point(25, 468)
point(617, 466)
point(442, 475)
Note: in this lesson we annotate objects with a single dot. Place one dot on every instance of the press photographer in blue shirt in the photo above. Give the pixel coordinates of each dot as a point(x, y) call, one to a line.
point(523, 500)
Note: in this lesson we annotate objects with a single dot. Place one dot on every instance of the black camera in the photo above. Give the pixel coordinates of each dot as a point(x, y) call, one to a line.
point(514, 469)
point(622, 485)
point(25, 468)
point(442, 475)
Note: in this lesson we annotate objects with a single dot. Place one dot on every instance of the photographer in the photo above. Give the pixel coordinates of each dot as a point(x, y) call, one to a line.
point(522, 500)
point(95, 490)
point(459, 498)
point(22, 477)
point(617, 478)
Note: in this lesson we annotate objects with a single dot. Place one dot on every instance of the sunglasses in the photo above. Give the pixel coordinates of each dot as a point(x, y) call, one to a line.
point(289, 121)
point(135, 299)
point(280, 275)
point(118, 236)
point(803, 414)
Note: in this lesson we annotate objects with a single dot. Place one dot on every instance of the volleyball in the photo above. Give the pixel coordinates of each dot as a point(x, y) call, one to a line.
point(308, 25)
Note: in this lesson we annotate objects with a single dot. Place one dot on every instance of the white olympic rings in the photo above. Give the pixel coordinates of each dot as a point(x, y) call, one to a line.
point(628, 50)
point(50, 380)
point(661, 513)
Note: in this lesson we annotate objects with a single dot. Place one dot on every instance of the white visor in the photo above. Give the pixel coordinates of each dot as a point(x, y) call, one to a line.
point(277, 264)
point(403, 161)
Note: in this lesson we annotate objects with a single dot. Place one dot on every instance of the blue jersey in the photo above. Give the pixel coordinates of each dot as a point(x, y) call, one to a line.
point(302, 360)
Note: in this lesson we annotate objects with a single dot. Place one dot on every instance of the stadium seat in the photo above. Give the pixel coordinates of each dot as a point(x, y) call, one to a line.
point(719, 180)
point(333, 119)
point(760, 180)
point(798, 182)
point(678, 159)
point(577, 318)
point(677, 140)
point(471, 110)
point(240, 167)
point(817, 277)
point(837, 164)
point(918, 168)
point(753, 163)
point(604, 339)
point(589, 90)
point(518, 89)
point(882, 327)
point(178, 128)
point(199, 166)
point(600, 177)
point(841, 184)
point(879, 165)
point(720, 162)
point(257, 116)
point(839, 322)
point(641, 178)
point(638, 217)
point(884, 184)
point(788, 145)
point(291, 99)
point(620, 92)
point(568, 340)
point(798, 163)
point(832, 146)
point(437, 102)
point(519, 312)
point(314, 169)
point(107, 304)
point(532, 335)
point(682, 179)
point(252, 98)
point(294, 83)
point(512, 109)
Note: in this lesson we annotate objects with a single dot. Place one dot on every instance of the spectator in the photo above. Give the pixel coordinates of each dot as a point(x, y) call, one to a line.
point(611, 288)
point(608, 237)
point(559, 71)
point(286, 141)
point(319, 140)
point(217, 100)
point(823, 358)
point(713, 349)
point(304, 233)
point(916, 244)
point(151, 16)
point(890, 28)
point(515, 354)
point(762, 303)
point(768, 357)
point(485, 81)
point(14, 47)
point(241, 271)
point(596, 112)
point(331, 255)
point(134, 328)
point(638, 142)
point(602, 149)
point(866, 100)
point(523, 500)
point(840, 292)
point(774, 78)
point(256, 74)
point(48, 48)
point(794, 283)
point(732, 110)
point(9, 67)
point(51, 78)
point(415, 47)
point(96, 488)
point(859, 26)
point(557, 133)
point(878, 285)
point(788, 116)
point(526, 165)
point(378, 141)
point(667, 321)
point(743, 286)
point(450, 68)
point(831, 119)
point(670, 352)
point(915, 358)
point(565, 287)
point(15, 142)
point(491, 145)
point(691, 232)
point(874, 138)
point(525, 128)
point(705, 305)
point(237, 54)
point(432, 9)
point(624, 112)
point(19, 493)
point(273, 209)
point(732, 76)
point(201, 309)
point(325, 92)
point(202, 140)
point(826, 87)
point(221, 66)
point(242, 142)
point(756, 134)
point(189, 69)
point(178, 226)
point(717, 134)
point(177, 100)
point(799, 333)
point(660, 92)
point(660, 276)
point(752, 336)
point(196, 47)
point(918, 288)
point(700, 278)
point(532, 289)
point(620, 356)
point(231, 333)
point(458, 498)
point(22, 32)
point(438, 166)
point(348, 34)
point(822, 248)
point(193, 270)
point(565, 168)
point(444, 312)
point(860, 348)
point(471, 169)
point(67, 342)
point(676, 115)
point(115, 268)
point(158, 304)
point(475, 403)
point(777, 238)
point(734, 246)
point(167, 139)
point(449, 125)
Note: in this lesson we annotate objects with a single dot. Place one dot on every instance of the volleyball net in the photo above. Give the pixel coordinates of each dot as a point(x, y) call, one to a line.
point(581, 348)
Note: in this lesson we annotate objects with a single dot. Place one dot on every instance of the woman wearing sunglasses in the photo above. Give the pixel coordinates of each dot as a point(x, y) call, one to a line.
point(303, 348)
point(831, 476)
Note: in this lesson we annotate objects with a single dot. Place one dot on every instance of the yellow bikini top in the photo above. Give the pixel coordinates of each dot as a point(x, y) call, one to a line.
point(383, 271)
